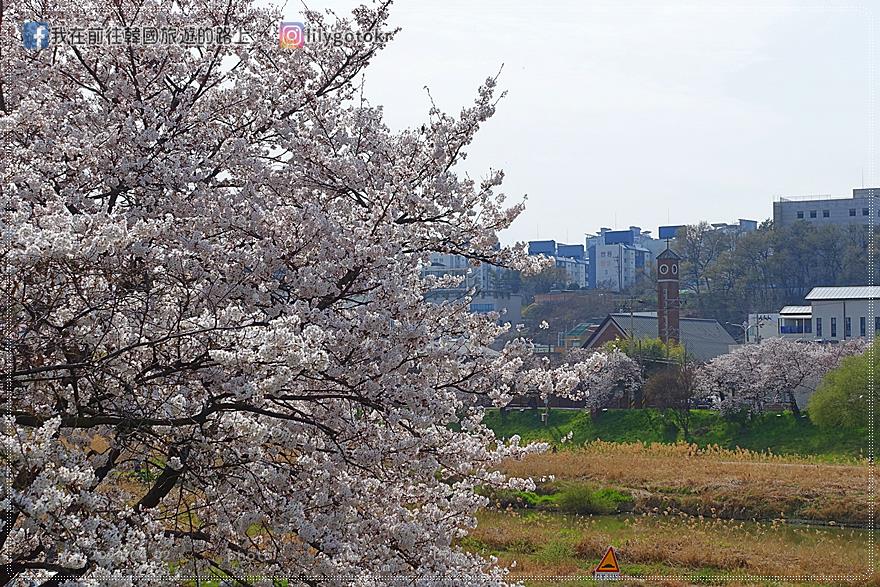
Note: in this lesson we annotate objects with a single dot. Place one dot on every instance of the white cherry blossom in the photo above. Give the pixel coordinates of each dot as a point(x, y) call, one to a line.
point(219, 358)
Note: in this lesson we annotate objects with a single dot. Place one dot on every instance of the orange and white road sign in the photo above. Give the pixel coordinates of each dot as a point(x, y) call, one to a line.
point(607, 567)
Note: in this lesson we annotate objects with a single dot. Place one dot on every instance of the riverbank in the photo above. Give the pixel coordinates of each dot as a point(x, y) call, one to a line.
point(780, 432)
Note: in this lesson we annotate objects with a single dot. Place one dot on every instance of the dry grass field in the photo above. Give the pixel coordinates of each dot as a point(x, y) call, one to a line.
point(714, 482)
point(701, 516)
point(670, 549)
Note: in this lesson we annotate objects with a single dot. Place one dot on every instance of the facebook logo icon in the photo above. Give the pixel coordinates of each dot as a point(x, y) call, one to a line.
point(35, 34)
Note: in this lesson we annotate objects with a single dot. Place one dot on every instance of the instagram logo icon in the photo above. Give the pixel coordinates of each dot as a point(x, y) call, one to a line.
point(290, 35)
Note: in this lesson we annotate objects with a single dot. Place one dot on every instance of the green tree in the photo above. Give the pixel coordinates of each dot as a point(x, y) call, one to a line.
point(727, 275)
point(841, 401)
point(648, 350)
point(700, 247)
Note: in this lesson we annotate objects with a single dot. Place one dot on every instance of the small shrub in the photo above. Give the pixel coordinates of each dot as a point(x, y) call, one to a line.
point(584, 500)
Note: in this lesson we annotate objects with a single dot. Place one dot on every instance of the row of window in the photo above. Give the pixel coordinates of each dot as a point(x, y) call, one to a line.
point(827, 213)
point(847, 326)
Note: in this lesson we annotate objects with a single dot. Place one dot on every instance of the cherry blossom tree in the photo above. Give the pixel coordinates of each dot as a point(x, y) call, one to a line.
point(218, 357)
point(602, 375)
point(751, 377)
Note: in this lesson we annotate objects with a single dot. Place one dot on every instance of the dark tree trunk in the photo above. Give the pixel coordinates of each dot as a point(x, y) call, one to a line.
point(792, 405)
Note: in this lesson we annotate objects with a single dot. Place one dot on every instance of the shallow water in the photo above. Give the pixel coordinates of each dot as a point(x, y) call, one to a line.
point(796, 532)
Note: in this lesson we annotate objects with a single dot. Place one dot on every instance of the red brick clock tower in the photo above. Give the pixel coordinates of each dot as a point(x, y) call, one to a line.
point(668, 302)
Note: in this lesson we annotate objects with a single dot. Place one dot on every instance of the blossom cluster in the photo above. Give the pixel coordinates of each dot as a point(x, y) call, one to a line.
point(752, 377)
point(221, 360)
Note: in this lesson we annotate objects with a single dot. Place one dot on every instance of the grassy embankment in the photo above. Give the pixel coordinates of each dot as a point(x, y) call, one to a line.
point(780, 433)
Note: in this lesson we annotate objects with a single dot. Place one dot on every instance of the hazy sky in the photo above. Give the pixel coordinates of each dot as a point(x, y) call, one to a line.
point(645, 113)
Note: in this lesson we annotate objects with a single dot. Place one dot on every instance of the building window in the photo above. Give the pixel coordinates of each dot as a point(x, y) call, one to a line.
point(808, 326)
point(876, 323)
point(819, 326)
point(847, 326)
point(800, 214)
point(862, 326)
point(833, 327)
point(852, 211)
point(812, 213)
point(865, 212)
point(826, 213)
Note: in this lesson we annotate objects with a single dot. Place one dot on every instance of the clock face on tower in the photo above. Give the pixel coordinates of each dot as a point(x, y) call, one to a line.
point(667, 270)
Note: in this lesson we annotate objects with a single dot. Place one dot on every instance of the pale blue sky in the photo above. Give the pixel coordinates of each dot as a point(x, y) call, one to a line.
point(623, 113)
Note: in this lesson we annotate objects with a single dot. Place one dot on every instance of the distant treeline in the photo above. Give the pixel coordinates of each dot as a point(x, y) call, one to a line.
point(726, 276)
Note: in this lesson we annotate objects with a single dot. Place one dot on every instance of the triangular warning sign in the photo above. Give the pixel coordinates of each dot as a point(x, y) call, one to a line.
point(608, 564)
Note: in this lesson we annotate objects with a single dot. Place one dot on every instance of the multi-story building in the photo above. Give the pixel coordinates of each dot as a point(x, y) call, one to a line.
point(839, 313)
point(861, 208)
point(615, 267)
point(547, 248)
point(489, 286)
point(618, 257)
point(834, 314)
point(575, 271)
point(570, 251)
point(570, 258)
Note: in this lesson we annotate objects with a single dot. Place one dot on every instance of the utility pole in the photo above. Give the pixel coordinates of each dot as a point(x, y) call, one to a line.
point(632, 325)
point(632, 303)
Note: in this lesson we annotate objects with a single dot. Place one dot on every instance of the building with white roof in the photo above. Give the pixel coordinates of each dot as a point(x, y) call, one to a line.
point(796, 322)
point(839, 313)
point(834, 314)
